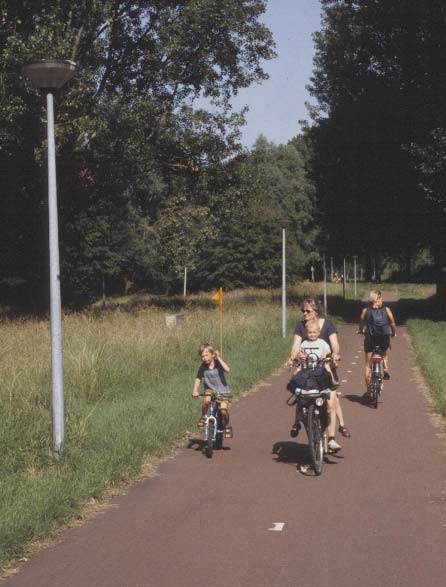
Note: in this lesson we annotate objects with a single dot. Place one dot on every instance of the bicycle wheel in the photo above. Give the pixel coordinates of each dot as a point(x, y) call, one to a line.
point(315, 439)
point(220, 432)
point(209, 448)
point(375, 387)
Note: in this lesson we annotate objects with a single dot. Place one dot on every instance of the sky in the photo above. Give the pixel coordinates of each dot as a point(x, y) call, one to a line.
point(277, 104)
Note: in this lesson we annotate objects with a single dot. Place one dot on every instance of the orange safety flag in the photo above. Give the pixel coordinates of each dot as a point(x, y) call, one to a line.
point(218, 297)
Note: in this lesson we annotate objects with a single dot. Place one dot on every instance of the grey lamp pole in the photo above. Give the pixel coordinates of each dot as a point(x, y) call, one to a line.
point(50, 75)
point(283, 223)
point(354, 270)
point(325, 284)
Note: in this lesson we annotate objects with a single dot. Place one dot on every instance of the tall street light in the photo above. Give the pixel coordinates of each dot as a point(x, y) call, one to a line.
point(284, 223)
point(354, 270)
point(50, 75)
point(324, 265)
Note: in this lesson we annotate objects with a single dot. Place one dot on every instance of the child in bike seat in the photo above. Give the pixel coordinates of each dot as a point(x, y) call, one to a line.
point(212, 373)
point(312, 344)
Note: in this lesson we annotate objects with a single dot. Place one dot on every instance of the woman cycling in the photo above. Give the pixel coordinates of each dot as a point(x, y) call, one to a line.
point(313, 310)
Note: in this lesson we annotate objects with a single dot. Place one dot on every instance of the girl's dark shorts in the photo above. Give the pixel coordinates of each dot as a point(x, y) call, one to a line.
point(381, 340)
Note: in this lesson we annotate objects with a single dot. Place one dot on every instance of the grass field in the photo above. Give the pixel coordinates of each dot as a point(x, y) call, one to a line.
point(128, 380)
point(429, 340)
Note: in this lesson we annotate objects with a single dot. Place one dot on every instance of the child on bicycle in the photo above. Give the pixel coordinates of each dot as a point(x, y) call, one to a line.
point(312, 344)
point(212, 372)
point(377, 324)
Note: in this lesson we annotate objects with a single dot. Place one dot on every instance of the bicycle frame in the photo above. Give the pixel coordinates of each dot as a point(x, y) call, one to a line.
point(212, 416)
point(377, 360)
point(376, 375)
point(213, 430)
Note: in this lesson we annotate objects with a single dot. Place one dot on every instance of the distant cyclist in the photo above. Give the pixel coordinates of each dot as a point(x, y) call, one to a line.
point(377, 324)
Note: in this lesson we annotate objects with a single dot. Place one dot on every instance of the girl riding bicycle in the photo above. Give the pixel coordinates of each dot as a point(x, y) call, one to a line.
point(212, 372)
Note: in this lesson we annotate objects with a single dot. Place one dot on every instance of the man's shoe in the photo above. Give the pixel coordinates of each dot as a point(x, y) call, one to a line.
point(386, 374)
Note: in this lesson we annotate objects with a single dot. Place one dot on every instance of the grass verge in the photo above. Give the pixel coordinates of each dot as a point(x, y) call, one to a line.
point(429, 339)
point(128, 381)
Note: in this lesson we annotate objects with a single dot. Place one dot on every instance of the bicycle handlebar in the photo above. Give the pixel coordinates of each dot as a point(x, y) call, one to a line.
point(298, 362)
point(220, 396)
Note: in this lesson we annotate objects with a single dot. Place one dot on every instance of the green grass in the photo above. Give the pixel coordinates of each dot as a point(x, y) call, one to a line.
point(429, 340)
point(128, 382)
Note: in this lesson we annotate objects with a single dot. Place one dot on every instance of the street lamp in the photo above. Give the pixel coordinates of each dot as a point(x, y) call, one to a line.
point(50, 75)
point(284, 223)
point(324, 265)
point(354, 270)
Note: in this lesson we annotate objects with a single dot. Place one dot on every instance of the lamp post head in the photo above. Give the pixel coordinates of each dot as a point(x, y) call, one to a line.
point(50, 73)
point(284, 222)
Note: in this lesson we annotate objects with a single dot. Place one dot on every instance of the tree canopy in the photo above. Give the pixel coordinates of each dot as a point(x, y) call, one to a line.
point(135, 153)
point(379, 96)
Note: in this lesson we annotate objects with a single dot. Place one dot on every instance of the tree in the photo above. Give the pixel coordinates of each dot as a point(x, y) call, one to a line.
point(123, 134)
point(378, 92)
point(260, 188)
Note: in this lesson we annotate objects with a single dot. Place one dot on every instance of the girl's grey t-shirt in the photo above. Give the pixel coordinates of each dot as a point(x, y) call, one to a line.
point(213, 378)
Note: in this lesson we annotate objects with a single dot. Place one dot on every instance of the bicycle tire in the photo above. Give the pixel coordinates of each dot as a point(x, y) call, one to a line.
point(375, 388)
point(315, 439)
point(377, 392)
point(220, 434)
point(210, 439)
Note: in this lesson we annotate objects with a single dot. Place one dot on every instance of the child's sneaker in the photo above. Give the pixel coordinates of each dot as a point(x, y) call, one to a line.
point(333, 446)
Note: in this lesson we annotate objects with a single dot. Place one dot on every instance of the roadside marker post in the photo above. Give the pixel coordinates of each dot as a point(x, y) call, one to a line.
point(218, 297)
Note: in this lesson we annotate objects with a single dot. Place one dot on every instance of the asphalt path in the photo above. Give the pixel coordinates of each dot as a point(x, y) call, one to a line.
point(253, 516)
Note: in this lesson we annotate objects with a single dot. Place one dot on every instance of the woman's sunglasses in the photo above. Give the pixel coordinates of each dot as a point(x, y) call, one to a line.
point(307, 311)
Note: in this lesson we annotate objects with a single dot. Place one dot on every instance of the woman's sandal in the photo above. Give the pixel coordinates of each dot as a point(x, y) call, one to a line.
point(228, 432)
point(201, 422)
point(344, 431)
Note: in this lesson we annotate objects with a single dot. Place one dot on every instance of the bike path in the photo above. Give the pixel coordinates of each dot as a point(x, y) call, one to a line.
point(376, 516)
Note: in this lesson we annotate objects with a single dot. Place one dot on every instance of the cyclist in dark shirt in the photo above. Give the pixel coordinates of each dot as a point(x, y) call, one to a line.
point(377, 324)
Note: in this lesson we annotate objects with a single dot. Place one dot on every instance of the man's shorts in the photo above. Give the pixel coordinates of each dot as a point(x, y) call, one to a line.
point(381, 340)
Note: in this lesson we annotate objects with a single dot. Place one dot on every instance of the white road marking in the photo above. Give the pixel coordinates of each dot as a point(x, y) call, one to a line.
point(278, 527)
point(353, 363)
point(343, 380)
point(349, 371)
